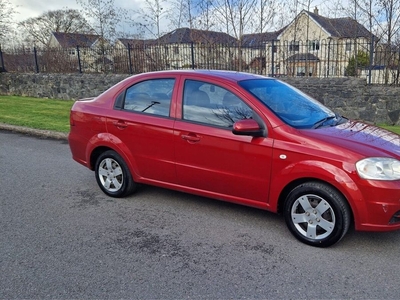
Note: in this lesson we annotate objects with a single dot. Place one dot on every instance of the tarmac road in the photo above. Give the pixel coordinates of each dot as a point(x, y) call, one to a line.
point(62, 238)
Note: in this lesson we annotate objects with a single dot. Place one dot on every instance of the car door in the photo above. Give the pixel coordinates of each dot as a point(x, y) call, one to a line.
point(141, 121)
point(209, 157)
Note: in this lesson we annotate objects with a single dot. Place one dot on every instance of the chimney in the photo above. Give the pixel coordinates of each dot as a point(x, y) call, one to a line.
point(316, 10)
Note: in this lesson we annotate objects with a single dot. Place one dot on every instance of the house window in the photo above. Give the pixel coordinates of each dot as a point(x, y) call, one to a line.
point(348, 46)
point(301, 71)
point(71, 52)
point(313, 45)
point(176, 50)
point(166, 49)
point(294, 46)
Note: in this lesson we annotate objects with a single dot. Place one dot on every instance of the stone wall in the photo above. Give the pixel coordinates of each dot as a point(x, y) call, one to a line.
point(350, 97)
point(353, 98)
point(57, 86)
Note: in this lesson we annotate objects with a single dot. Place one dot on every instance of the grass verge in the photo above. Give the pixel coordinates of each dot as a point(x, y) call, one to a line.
point(395, 129)
point(50, 114)
point(47, 114)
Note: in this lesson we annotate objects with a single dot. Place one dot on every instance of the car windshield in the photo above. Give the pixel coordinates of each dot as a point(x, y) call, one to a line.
point(291, 105)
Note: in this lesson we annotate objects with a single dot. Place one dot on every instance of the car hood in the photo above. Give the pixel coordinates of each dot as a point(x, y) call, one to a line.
point(359, 137)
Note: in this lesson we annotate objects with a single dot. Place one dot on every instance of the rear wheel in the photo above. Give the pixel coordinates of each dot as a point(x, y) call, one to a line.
point(317, 214)
point(113, 176)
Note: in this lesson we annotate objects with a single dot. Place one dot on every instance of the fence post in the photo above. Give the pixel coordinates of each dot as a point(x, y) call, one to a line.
point(36, 60)
point(2, 67)
point(371, 59)
point(192, 51)
point(129, 57)
point(329, 56)
point(273, 59)
point(79, 59)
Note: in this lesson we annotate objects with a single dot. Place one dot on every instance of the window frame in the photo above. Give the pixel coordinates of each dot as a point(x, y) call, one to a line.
point(121, 100)
point(215, 86)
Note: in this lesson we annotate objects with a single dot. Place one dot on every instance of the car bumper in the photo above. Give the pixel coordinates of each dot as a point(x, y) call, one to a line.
point(382, 206)
point(77, 145)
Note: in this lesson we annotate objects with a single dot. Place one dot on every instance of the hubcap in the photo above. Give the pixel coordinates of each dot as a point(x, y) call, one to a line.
point(313, 217)
point(110, 175)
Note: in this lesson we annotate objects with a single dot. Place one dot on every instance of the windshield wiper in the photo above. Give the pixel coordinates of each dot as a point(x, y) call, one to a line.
point(321, 122)
point(152, 103)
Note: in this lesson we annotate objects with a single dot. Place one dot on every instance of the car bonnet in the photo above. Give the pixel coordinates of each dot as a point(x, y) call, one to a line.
point(359, 137)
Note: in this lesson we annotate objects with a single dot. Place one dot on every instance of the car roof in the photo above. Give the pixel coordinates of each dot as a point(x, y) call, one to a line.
point(221, 74)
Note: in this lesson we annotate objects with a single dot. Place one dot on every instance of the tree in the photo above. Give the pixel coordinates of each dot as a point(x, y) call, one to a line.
point(265, 12)
point(359, 61)
point(206, 11)
point(390, 12)
point(237, 15)
point(181, 13)
point(152, 14)
point(7, 12)
point(103, 15)
point(39, 29)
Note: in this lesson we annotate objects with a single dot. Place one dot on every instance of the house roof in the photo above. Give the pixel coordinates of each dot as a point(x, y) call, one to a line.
point(340, 27)
point(69, 40)
point(135, 42)
point(187, 35)
point(257, 39)
point(303, 57)
point(337, 27)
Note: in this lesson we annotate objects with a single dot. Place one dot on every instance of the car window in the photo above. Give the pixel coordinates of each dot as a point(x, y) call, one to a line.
point(150, 96)
point(291, 105)
point(213, 105)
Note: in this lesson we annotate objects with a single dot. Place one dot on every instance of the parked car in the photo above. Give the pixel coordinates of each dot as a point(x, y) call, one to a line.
point(246, 139)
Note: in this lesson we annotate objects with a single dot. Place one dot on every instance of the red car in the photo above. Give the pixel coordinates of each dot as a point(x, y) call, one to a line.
point(246, 139)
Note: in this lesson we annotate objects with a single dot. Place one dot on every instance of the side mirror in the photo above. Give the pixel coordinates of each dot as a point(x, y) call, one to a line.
point(248, 127)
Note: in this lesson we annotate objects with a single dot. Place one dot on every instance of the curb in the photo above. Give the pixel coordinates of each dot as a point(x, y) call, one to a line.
point(35, 132)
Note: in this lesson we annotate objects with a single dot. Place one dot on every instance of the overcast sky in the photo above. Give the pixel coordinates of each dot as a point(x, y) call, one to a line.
point(34, 8)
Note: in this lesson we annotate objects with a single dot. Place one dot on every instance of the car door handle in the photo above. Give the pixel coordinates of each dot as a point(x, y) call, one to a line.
point(120, 124)
point(190, 138)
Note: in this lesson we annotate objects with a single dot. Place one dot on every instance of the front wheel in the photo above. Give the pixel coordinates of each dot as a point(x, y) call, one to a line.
point(113, 176)
point(317, 214)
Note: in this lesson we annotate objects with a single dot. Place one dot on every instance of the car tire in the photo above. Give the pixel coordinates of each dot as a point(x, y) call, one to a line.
point(317, 214)
point(113, 175)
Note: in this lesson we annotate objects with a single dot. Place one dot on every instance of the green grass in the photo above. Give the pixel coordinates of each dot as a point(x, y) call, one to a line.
point(395, 129)
point(47, 114)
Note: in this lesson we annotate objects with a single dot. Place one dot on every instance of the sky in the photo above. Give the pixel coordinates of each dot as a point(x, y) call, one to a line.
point(34, 8)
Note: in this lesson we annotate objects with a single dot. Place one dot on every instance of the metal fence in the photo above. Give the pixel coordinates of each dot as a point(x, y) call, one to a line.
point(328, 58)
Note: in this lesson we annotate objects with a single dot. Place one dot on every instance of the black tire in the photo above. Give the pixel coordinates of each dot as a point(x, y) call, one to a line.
point(317, 214)
point(113, 175)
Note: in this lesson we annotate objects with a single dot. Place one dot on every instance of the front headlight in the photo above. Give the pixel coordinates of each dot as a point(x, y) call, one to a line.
point(379, 168)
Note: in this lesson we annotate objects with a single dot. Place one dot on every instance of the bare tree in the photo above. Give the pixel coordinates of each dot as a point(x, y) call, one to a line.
point(265, 13)
point(151, 17)
point(103, 15)
point(181, 13)
point(205, 18)
point(237, 15)
point(39, 29)
point(7, 12)
point(390, 12)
